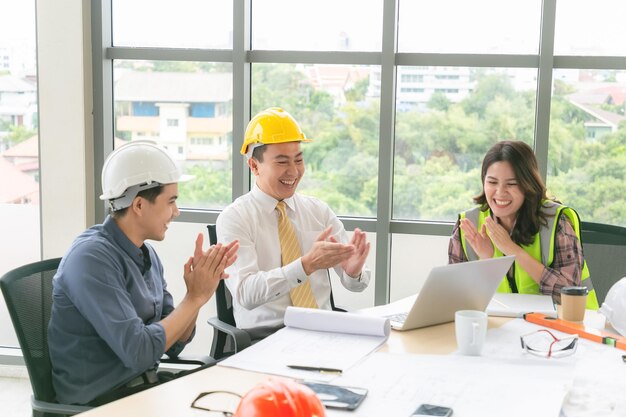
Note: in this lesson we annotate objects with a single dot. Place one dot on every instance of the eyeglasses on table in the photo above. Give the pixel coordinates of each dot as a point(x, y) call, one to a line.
point(216, 402)
point(545, 344)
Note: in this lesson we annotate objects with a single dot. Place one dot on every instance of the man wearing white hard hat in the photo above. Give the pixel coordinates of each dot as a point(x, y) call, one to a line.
point(288, 240)
point(112, 316)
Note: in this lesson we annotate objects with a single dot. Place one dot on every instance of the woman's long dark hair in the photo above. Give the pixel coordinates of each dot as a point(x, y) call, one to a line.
point(524, 164)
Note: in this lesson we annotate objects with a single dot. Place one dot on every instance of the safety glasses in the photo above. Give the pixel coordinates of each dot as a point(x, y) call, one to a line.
point(545, 344)
point(216, 401)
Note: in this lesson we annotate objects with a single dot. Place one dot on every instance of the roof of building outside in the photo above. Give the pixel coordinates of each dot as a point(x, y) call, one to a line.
point(28, 148)
point(17, 186)
point(12, 84)
point(183, 87)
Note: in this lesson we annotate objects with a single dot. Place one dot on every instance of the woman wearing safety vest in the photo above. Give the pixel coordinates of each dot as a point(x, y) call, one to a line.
point(515, 217)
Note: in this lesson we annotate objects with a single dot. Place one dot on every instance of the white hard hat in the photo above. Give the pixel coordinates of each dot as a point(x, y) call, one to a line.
point(614, 306)
point(134, 167)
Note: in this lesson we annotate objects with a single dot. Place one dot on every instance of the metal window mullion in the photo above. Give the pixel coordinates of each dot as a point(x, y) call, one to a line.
point(315, 57)
point(385, 152)
point(101, 39)
point(413, 227)
point(467, 60)
point(590, 62)
point(169, 54)
point(544, 85)
point(242, 83)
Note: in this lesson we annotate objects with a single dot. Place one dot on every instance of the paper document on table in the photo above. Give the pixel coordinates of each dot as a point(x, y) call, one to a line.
point(515, 305)
point(471, 386)
point(324, 342)
point(336, 322)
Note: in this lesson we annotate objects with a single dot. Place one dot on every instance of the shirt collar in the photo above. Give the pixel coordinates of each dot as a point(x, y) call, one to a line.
point(267, 202)
point(140, 256)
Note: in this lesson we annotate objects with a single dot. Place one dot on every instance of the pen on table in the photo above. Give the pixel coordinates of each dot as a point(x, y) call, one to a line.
point(319, 369)
point(500, 302)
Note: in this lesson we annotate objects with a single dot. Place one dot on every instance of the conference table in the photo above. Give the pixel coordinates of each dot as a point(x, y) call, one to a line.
point(175, 398)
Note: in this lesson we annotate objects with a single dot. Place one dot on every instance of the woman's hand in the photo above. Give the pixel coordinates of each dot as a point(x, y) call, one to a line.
point(478, 240)
point(500, 237)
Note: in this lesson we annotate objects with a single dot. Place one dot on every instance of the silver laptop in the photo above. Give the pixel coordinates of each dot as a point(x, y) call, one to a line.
point(449, 288)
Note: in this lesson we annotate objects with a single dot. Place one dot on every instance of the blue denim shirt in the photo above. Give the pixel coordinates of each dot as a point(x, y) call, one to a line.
point(108, 298)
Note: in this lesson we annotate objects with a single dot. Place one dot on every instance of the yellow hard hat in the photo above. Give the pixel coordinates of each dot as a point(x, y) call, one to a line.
point(273, 125)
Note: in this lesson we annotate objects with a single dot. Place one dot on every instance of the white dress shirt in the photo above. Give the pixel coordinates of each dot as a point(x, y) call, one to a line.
point(258, 282)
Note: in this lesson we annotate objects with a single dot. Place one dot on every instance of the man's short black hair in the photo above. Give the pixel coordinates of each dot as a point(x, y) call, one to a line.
point(150, 194)
point(258, 152)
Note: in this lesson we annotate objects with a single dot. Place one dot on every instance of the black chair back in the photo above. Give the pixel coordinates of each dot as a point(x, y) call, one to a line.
point(27, 291)
point(223, 299)
point(604, 248)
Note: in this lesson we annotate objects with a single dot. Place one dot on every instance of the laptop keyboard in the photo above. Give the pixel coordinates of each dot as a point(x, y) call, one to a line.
point(398, 318)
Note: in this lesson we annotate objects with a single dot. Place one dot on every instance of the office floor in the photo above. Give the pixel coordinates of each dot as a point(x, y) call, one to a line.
point(15, 391)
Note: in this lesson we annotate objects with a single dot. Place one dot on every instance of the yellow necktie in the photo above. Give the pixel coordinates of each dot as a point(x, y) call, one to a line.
point(302, 295)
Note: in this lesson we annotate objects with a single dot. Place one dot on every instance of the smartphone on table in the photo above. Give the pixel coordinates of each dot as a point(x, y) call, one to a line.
point(431, 410)
point(334, 396)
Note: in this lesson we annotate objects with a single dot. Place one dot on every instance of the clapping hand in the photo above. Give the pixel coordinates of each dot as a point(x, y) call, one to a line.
point(204, 270)
point(354, 264)
point(500, 237)
point(478, 240)
point(230, 253)
point(325, 253)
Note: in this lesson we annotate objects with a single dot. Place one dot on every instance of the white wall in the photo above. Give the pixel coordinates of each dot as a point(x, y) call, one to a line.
point(65, 122)
point(19, 245)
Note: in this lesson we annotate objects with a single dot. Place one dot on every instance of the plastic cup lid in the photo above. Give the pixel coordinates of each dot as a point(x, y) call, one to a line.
point(574, 290)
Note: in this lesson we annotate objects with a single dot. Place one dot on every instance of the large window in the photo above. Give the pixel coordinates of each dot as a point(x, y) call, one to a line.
point(444, 130)
point(19, 150)
point(590, 28)
point(587, 155)
point(187, 108)
point(321, 25)
point(475, 27)
point(587, 147)
point(402, 98)
point(165, 24)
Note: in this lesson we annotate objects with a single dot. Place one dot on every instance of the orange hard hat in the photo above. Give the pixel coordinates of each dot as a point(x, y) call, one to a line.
point(280, 397)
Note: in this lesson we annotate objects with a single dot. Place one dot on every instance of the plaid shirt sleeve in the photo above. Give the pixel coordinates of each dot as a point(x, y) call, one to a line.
point(566, 268)
point(455, 249)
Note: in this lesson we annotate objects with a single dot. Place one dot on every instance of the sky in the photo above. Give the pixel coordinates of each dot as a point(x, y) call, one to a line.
point(17, 20)
point(462, 26)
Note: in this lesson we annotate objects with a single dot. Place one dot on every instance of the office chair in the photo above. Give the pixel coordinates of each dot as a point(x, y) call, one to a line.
point(227, 338)
point(27, 291)
point(604, 249)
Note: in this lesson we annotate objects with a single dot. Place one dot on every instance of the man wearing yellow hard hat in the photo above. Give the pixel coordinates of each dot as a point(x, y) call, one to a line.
point(288, 240)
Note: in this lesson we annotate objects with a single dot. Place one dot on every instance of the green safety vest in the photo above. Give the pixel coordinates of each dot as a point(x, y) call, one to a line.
point(542, 252)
